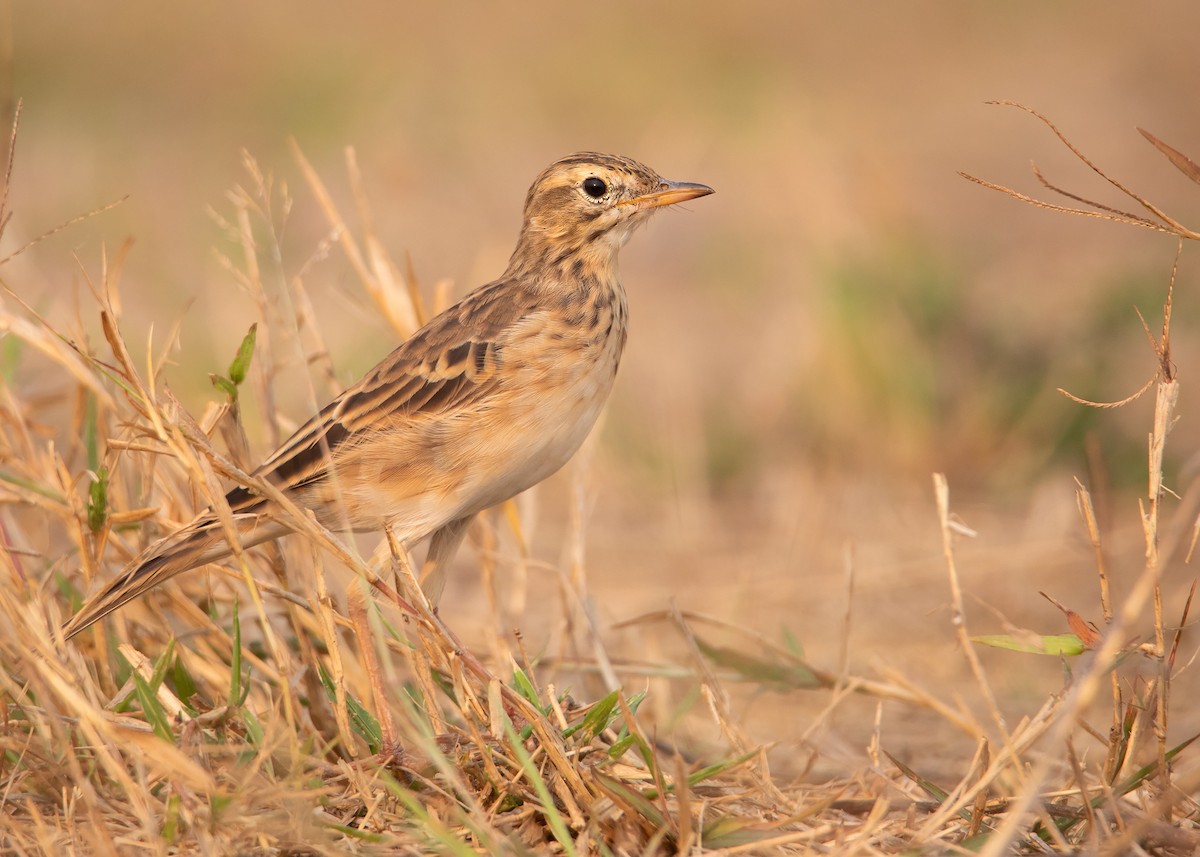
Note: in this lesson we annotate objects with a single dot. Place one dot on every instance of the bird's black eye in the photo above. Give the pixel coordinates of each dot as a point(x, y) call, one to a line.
point(594, 187)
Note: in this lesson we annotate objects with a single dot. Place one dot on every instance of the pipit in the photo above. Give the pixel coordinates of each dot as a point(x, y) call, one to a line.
point(486, 400)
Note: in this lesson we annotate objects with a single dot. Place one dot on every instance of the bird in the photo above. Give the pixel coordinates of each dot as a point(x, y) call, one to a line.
point(487, 399)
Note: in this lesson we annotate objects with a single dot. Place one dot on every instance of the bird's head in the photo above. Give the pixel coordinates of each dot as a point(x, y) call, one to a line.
point(587, 204)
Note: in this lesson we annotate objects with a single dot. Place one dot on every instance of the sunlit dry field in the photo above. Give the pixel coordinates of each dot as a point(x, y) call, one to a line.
point(750, 551)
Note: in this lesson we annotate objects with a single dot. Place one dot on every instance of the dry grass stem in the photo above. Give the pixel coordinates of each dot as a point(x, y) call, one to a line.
point(339, 712)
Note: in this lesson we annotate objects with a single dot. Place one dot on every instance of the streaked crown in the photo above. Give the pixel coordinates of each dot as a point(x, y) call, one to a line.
point(589, 197)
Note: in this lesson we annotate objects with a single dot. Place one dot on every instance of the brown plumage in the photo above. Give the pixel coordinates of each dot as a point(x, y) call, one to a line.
point(487, 399)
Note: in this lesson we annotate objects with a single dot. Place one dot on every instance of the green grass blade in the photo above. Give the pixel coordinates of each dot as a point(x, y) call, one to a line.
point(634, 798)
point(28, 485)
point(237, 692)
point(91, 435)
point(525, 687)
point(548, 809)
point(1056, 645)
point(729, 831)
point(97, 506)
point(245, 353)
point(932, 789)
point(161, 665)
point(597, 719)
point(170, 827)
point(361, 720)
point(1151, 769)
point(708, 772)
point(156, 715)
point(182, 682)
point(772, 673)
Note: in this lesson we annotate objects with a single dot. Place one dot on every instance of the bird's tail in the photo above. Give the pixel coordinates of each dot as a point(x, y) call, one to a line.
point(201, 542)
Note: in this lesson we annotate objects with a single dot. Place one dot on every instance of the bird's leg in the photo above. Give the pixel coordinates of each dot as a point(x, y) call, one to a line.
point(518, 708)
point(443, 544)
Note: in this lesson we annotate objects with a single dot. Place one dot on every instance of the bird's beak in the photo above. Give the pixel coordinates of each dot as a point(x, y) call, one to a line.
point(669, 193)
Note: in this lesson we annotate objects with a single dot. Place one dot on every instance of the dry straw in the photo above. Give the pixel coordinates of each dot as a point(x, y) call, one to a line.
point(268, 707)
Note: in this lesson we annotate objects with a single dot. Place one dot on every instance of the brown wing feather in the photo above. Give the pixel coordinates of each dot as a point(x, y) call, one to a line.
point(451, 361)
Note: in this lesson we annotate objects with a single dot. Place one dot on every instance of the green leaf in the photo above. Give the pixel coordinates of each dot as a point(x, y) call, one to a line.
point(796, 675)
point(975, 843)
point(254, 729)
point(444, 683)
point(224, 385)
point(932, 789)
point(161, 665)
point(597, 719)
point(1058, 645)
point(710, 771)
point(728, 831)
point(217, 805)
point(170, 828)
point(97, 508)
point(91, 434)
point(122, 669)
point(792, 643)
point(1151, 769)
point(10, 356)
point(182, 681)
point(622, 744)
point(237, 694)
point(68, 591)
point(626, 739)
point(364, 723)
point(706, 773)
point(361, 720)
point(414, 693)
point(156, 716)
point(245, 353)
point(638, 801)
point(636, 700)
point(29, 485)
point(524, 686)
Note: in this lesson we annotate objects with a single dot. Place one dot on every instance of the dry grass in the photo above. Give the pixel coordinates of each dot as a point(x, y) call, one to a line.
point(268, 707)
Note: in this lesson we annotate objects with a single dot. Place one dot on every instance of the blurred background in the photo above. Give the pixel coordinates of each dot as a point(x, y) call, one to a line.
point(844, 317)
